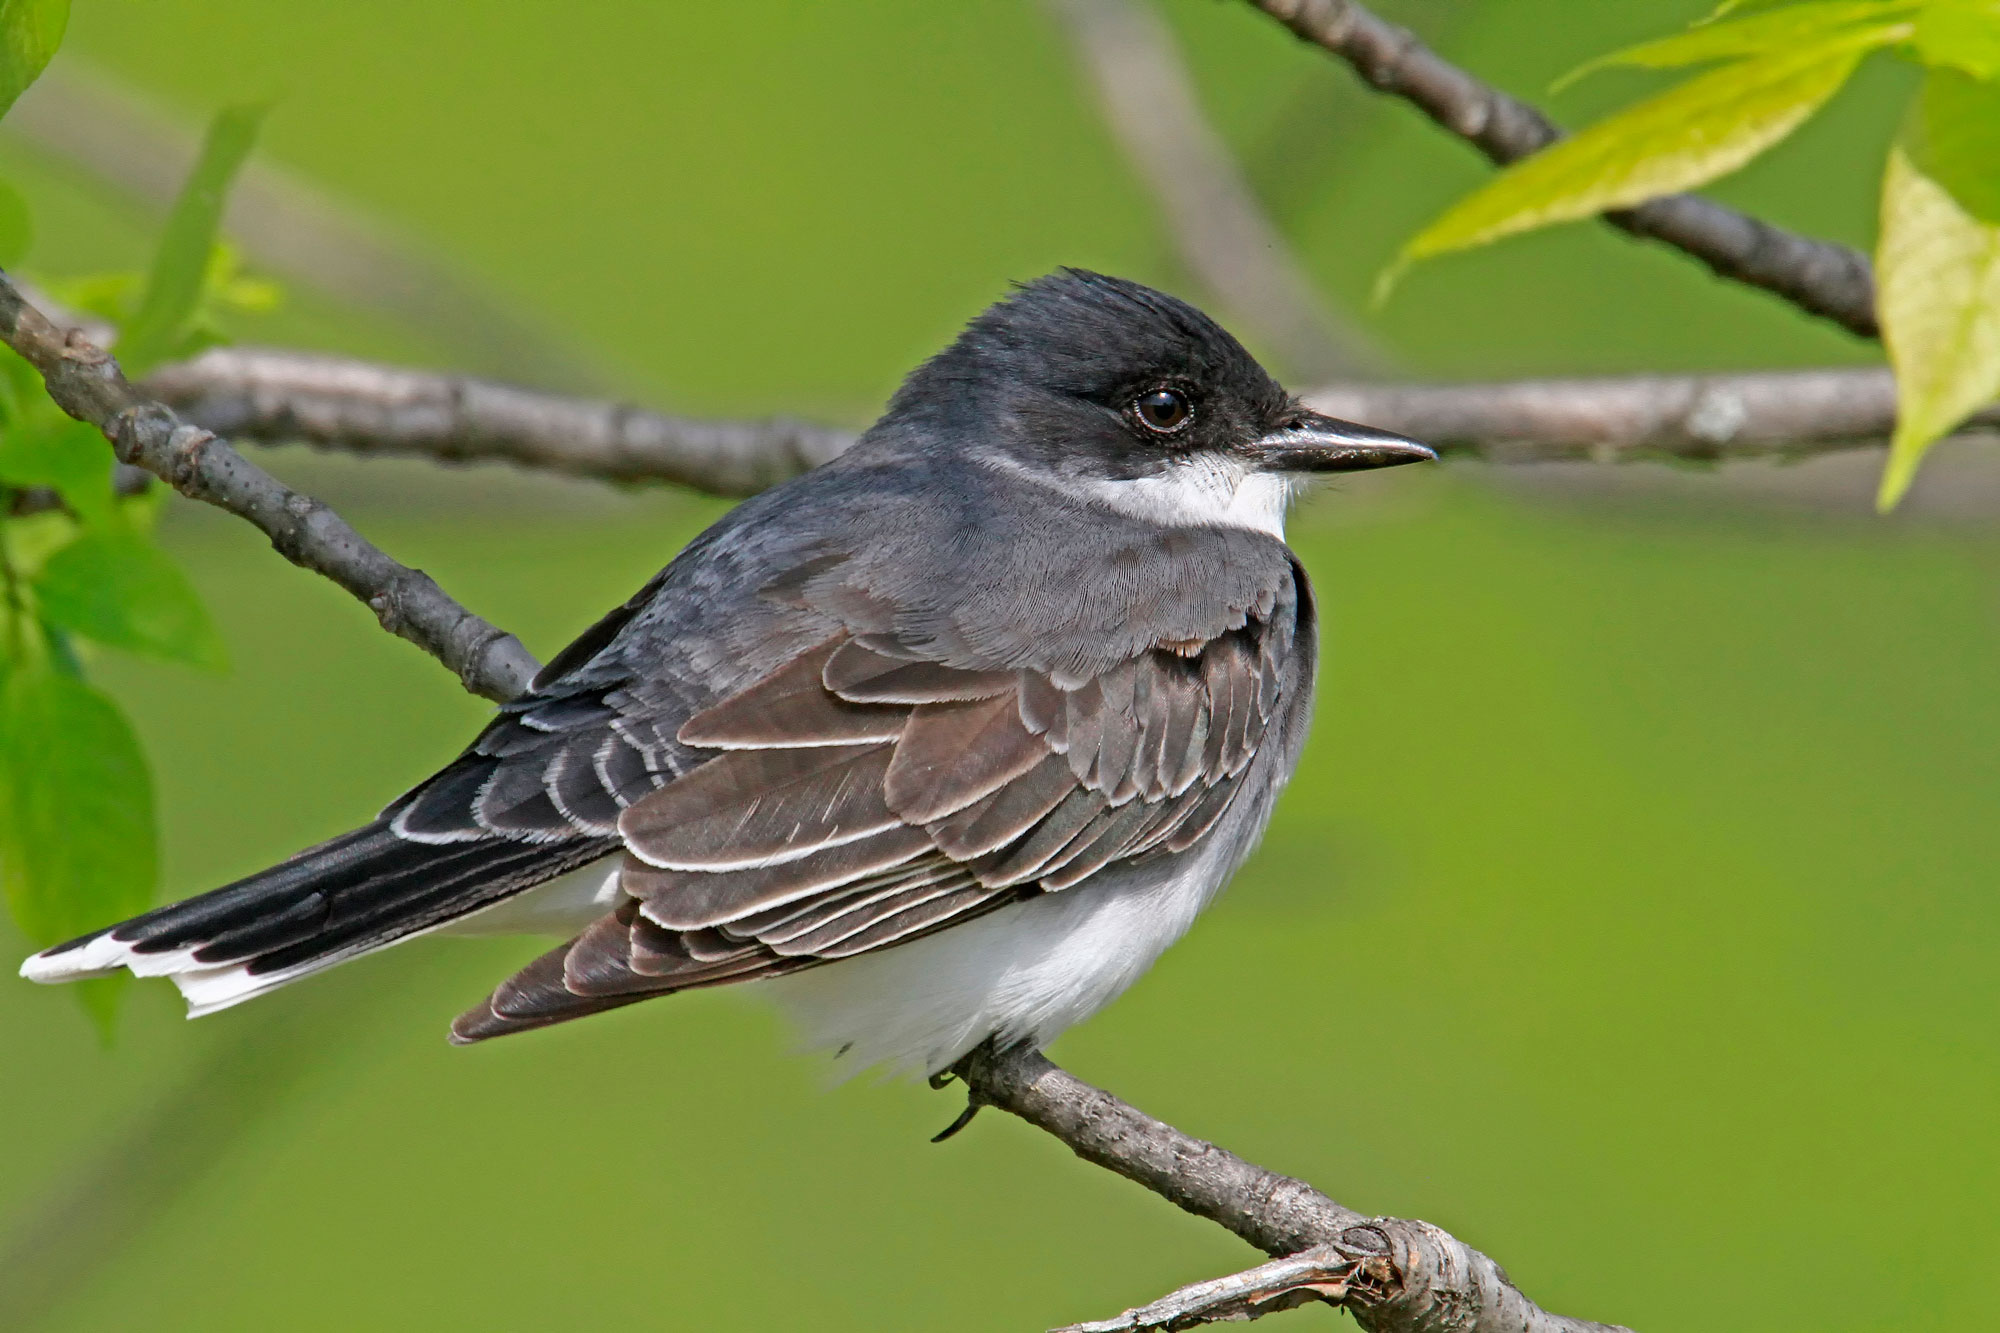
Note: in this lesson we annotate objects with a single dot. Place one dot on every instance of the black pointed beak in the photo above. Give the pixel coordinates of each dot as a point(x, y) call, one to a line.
point(1309, 442)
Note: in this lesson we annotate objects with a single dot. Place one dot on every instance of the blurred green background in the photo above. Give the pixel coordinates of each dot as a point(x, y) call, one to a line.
point(1633, 915)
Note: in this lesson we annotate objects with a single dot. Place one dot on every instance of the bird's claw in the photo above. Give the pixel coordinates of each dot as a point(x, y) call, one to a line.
point(972, 1105)
point(973, 1101)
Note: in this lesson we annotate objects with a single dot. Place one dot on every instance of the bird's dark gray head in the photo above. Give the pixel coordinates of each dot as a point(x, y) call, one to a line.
point(1133, 397)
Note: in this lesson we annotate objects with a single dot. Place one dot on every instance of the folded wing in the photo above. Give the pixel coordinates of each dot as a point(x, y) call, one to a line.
point(862, 795)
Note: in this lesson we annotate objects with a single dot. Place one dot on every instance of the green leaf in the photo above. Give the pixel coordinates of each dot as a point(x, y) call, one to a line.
point(1688, 135)
point(17, 227)
point(1760, 34)
point(174, 286)
point(29, 541)
point(1953, 137)
point(229, 287)
point(1938, 294)
point(20, 388)
point(68, 456)
point(1961, 34)
point(123, 591)
point(77, 841)
point(109, 296)
point(30, 32)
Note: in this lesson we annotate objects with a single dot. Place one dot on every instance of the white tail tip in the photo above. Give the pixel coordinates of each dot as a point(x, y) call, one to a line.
point(207, 987)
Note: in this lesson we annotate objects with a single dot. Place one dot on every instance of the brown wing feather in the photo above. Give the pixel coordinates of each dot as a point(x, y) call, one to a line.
point(920, 918)
point(679, 958)
point(771, 922)
point(792, 707)
point(952, 754)
point(862, 674)
point(599, 962)
point(1109, 837)
point(746, 808)
point(824, 939)
point(995, 820)
point(1023, 861)
point(864, 796)
point(817, 914)
point(691, 900)
point(534, 997)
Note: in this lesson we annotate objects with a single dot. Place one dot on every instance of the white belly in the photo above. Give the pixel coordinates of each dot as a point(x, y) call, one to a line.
point(1023, 973)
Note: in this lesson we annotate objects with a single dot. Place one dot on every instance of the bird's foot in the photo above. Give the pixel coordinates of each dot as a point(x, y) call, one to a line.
point(944, 1078)
point(972, 1105)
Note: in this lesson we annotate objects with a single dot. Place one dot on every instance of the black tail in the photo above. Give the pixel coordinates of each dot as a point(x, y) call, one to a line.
point(357, 893)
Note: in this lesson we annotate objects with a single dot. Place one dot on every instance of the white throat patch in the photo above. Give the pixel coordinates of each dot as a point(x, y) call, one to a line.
point(1203, 491)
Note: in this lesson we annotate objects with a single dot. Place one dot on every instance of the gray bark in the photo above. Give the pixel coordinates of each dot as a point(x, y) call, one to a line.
point(85, 382)
point(359, 407)
point(1819, 277)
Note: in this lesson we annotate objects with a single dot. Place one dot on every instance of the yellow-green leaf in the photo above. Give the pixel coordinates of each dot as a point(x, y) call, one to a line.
point(30, 32)
point(174, 286)
point(39, 446)
point(1688, 135)
point(1779, 31)
point(109, 296)
point(78, 846)
point(122, 591)
point(1938, 294)
point(1953, 137)
point(1728, 7)
point(1961, 34)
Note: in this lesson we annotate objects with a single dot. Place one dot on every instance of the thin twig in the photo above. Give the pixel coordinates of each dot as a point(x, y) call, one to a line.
point(276, 396)
point(1219, 228)
point(1787, 413)
point(85, 382)
point(1817, 276)
point(1327, 1273)
point(1394, 1275)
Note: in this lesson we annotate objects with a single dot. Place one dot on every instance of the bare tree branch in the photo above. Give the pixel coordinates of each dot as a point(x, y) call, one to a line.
point(277, 396)
point(1393, 1275)
point(1324, 1273)
point(1624, 418)
point(1817, 276)
point(89, 121)
point(85, 382)
point(1220, 229)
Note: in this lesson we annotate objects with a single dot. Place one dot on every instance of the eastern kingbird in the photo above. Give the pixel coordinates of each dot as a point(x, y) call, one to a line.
point(946, 740)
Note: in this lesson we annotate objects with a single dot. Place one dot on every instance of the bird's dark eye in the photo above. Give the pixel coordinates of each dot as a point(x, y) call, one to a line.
point(1163, 411)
